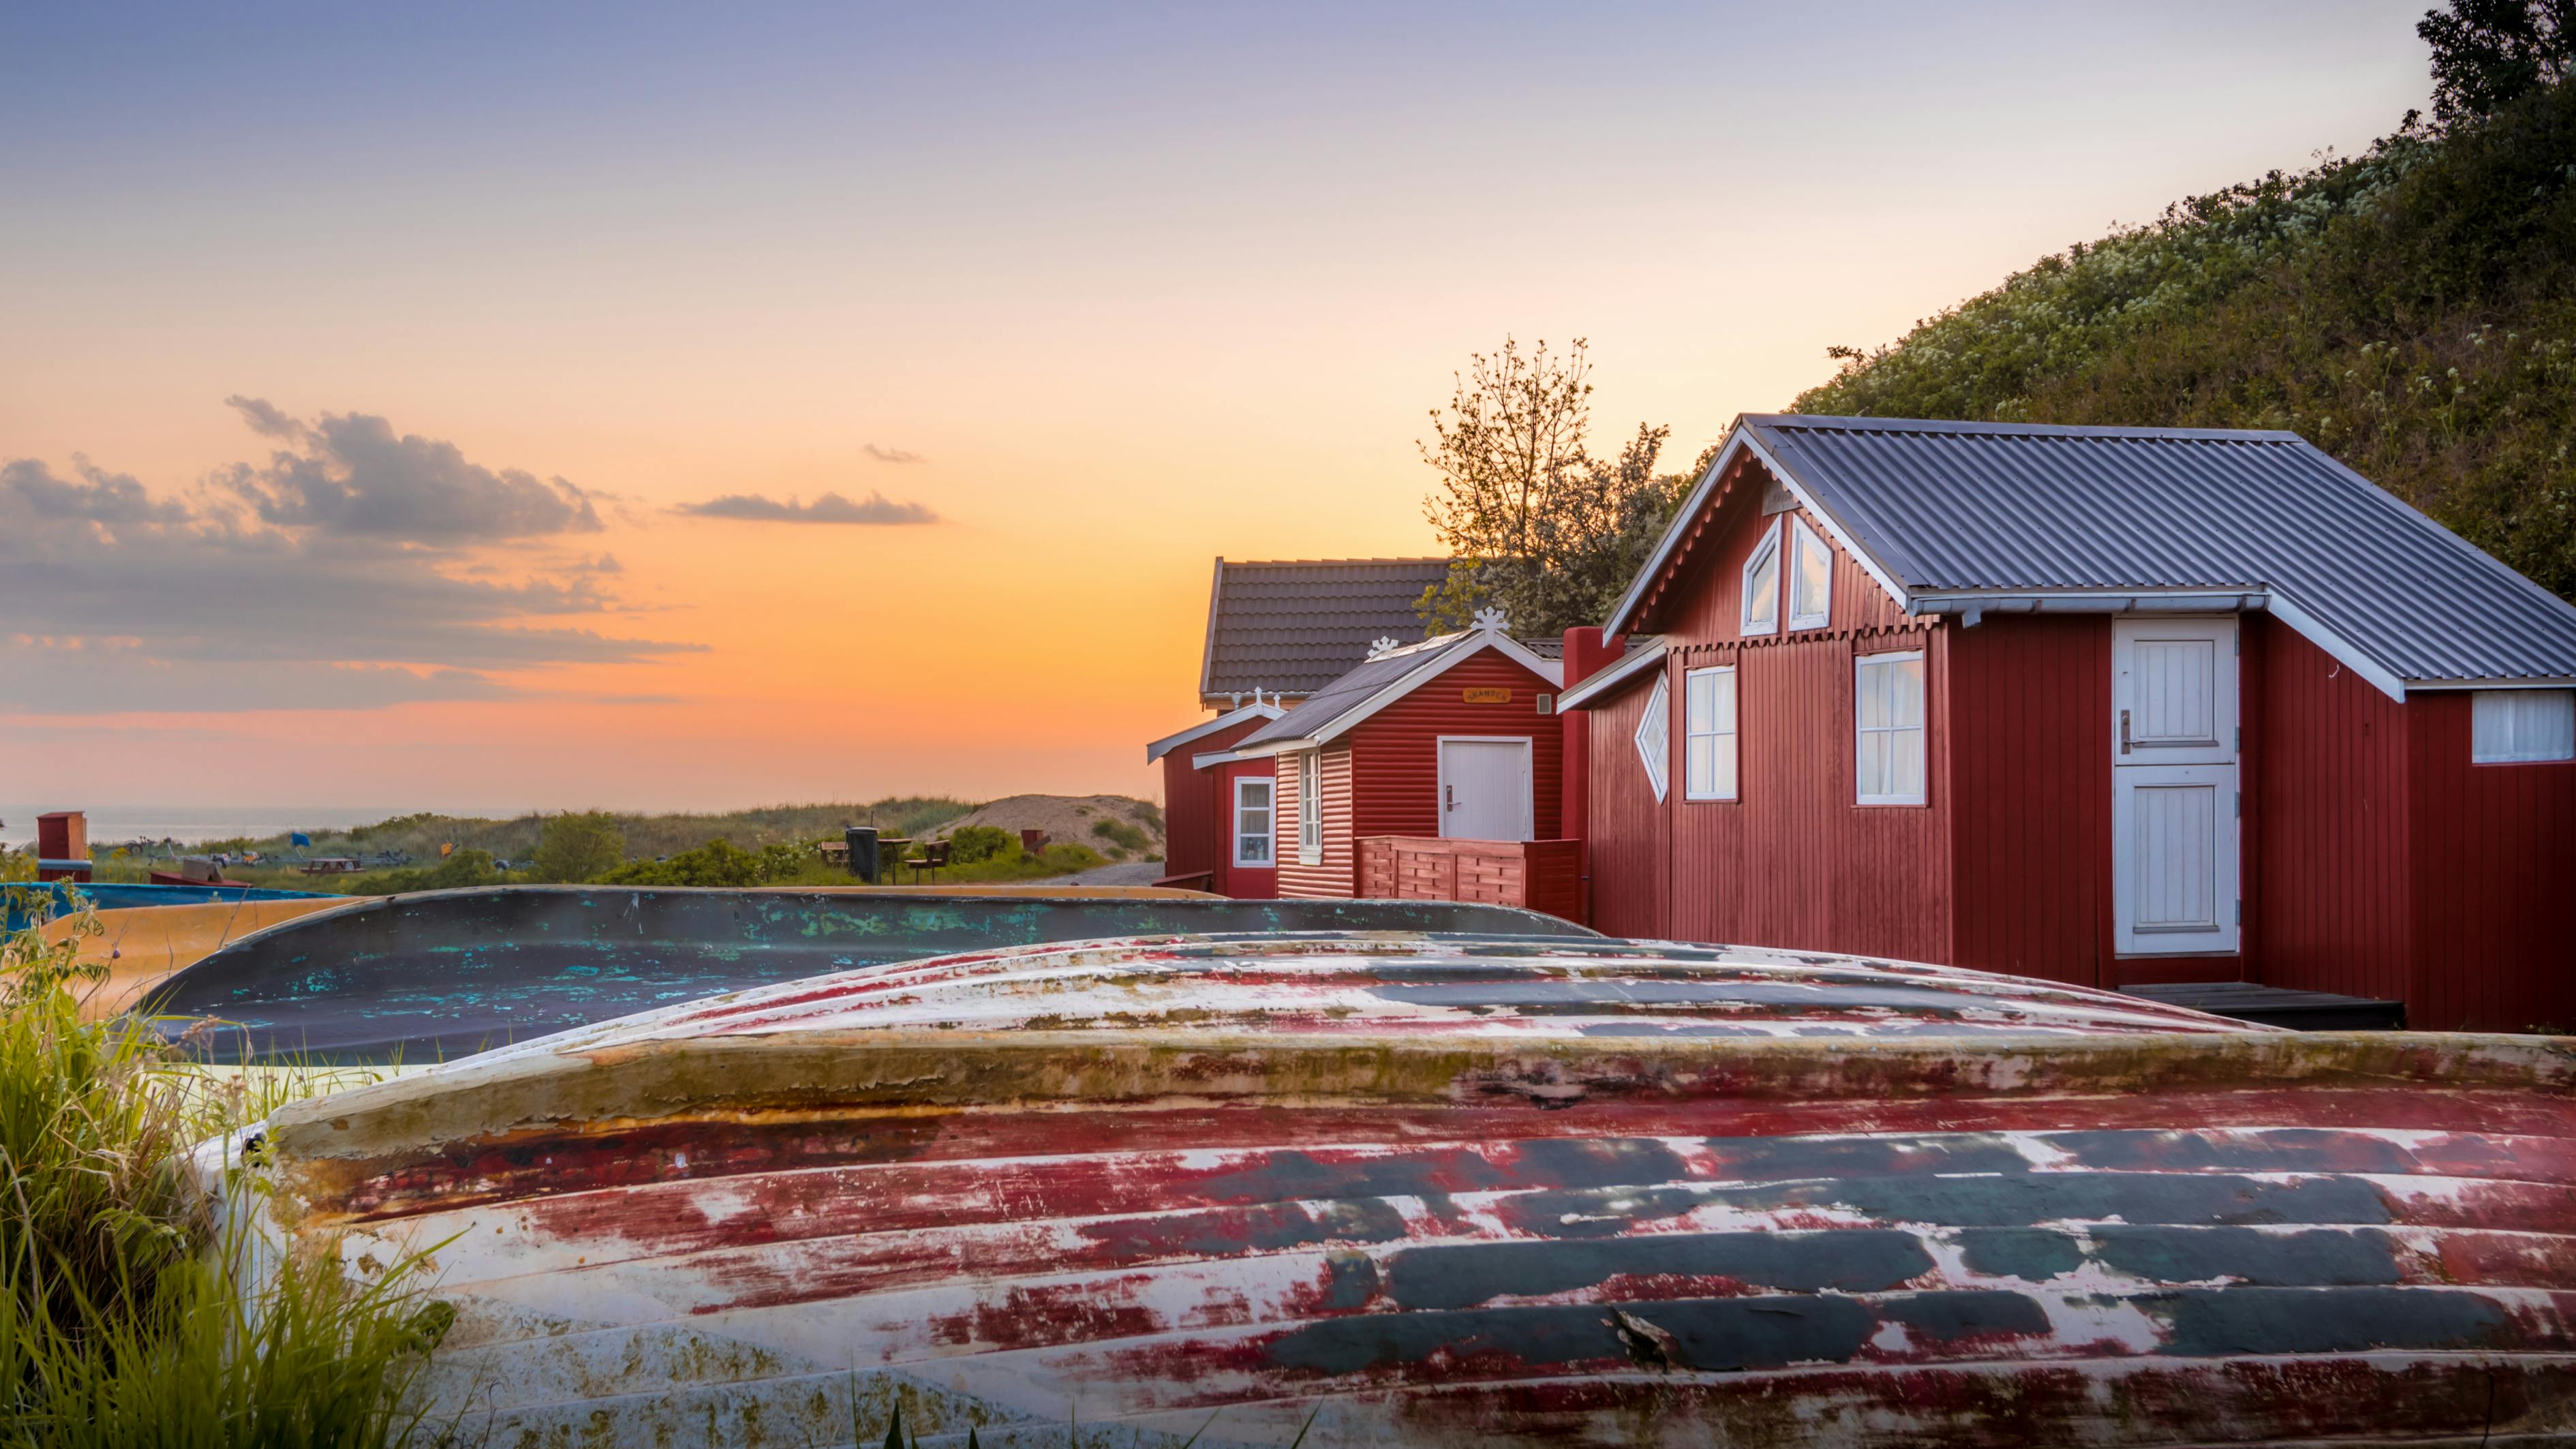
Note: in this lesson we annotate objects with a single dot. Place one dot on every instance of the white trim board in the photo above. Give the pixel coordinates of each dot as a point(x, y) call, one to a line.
point(1171, 742)
point(1609, 680)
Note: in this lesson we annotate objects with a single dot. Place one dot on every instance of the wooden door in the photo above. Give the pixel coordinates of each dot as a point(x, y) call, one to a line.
point(1486, 789)
point(2174, 789)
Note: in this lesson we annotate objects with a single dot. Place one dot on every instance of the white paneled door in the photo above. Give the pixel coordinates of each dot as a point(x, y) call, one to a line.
point(1485, 789)
point(2174, 786)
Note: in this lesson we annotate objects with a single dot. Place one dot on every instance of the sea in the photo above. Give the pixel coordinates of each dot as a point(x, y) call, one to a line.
point(188, 825)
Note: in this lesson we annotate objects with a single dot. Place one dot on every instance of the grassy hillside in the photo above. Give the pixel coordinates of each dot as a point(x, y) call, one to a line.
point(2411, 310)
point(420, 836)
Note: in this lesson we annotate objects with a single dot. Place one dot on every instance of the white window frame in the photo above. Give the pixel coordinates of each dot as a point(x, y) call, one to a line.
point(1695, 729)
point(2515, 705)
point(1767, 547)
point(1922, 728)
point(1269, 835)
point(1802, 538)
point(1310, 808)
point(1657, 722)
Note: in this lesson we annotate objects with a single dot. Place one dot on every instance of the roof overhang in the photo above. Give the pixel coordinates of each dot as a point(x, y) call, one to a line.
point(1169, 743)
point(1222, 757)
point(1611, 680)
point(1464, 647)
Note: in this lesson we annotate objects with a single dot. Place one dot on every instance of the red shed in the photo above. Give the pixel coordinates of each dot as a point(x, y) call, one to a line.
point(1454, 738)
point(2107, 706)
point(1209, 815)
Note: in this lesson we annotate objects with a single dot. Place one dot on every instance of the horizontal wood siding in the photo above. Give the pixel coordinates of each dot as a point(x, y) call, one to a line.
point(2329, 910)
point(1624, 850)
point(1337, 875)
point(2493, 866)
point(1794, 861)
point(1396, 752)
point(2030, 729)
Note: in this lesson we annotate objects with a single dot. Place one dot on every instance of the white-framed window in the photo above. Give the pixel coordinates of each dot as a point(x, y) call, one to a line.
point(1811, 577)
point(1310, 808)
point(1887, 717)
point(2515, 726)
point(1708, 734)
point(1252, 821)
point(1762, 584)
point(1654, 735)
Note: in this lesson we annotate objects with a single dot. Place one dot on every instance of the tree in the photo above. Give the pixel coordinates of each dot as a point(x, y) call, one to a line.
point(1541, 529)
point(578, 847)
point(2489, 53)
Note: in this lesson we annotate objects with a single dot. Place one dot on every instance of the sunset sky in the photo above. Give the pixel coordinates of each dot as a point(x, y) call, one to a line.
point(543, 406)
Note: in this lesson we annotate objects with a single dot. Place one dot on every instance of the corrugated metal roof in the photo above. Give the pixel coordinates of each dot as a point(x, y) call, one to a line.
point(1950, 506)
point(1293, 626)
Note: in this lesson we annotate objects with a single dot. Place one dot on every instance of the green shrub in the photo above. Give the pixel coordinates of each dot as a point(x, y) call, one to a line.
point(1150, 814)
point(974, 844)
point(1065, 857)
point(716, 863)
point(463, 869)
point(578, 847)
point(1122, 835)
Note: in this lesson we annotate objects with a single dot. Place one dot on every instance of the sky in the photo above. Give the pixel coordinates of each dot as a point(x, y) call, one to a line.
point(540, 407)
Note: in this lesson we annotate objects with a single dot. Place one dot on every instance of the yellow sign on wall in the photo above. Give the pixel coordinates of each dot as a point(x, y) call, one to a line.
point(1489, 696)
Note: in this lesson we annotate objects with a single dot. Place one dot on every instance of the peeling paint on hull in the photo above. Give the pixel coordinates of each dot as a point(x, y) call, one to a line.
point(1469, 1191)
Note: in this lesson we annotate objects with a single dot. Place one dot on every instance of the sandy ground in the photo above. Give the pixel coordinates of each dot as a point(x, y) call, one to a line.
point(1065, 818)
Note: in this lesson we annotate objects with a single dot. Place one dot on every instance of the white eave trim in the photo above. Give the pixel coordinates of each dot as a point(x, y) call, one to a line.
point(1458, 651)
point(1221, 757)
point(1973, 604)
point(1741, 440)
point(1169, 743)
point(1611, 679)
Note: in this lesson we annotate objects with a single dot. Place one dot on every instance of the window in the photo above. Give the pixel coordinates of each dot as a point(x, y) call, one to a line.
point(1762, 585)
point(2509, 725)
point(1252, 822)
point(1654, 735)
point(1708, 733)
point(1888, 715)
point(1811, 578)
point(1310, 809)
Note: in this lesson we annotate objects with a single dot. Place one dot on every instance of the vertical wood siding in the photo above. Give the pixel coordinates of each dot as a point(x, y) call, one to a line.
point(2493, 866)
point(2030, 701)
point(1197, 805)
point(1794, 861)
point(1624, 850)
point(1245, 882)
point(1338, 874)
point(2329, 911)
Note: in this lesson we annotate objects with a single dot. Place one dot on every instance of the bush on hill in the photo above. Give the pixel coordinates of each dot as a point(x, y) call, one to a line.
point(578, 847)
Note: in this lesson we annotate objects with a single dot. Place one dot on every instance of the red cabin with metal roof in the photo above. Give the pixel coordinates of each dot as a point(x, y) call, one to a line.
point(2118, 707)
point(1425, 746)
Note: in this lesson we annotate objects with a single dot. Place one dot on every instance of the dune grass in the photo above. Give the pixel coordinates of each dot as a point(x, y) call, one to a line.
point(130, 1311)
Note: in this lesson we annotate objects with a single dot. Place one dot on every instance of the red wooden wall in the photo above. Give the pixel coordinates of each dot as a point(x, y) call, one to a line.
point(1626, 861)
point(1197, 803)
point(2030, 711)
point(1242, 882)
point(2493, 865)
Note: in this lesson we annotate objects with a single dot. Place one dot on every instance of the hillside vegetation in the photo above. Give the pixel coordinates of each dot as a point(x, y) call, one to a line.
point(2411, 310)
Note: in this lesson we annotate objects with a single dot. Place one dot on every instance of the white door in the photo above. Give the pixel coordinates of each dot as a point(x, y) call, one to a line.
point(1485, 789)
point(2174, 786)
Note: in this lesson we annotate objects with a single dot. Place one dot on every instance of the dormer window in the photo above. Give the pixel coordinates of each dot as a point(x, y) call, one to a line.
point(1762, 585)
point(1811, 578)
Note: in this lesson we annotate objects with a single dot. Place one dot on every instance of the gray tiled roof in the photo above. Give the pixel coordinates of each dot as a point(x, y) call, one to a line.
point(1968, 508)
point(1292, 627)
point(1340, 696)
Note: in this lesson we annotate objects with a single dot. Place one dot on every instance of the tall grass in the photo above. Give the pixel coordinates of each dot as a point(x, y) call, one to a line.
point(130, 1313)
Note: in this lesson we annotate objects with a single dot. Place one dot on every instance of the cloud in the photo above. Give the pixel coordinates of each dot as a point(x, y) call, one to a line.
point(889, 455)
point(112, 600)
point(351, 475)
point(830, 508)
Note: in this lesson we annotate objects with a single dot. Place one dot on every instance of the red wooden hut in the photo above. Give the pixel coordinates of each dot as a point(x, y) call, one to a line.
point(1440, 759)
point(2108, 706)
point(1217, 808)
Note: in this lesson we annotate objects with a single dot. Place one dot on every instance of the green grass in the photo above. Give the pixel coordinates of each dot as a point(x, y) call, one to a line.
point(2411, 311)
point(127, 1317)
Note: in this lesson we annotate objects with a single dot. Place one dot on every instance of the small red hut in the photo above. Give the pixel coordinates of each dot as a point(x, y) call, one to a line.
point(1217, 807)
point(2118, 707)
point(1441, 758)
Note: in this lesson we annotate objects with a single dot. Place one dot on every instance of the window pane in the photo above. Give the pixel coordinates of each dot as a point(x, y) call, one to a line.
point(1703, 703)
point(1905, 693)
point(1253, 849)
point(1814, 576)
point(1703, 764)
point(2522, 724)
point(1725, 755)
point(1873, 695)
point(1905, 763)
point(1724, 689)
point(1652, 738)
point(1762, 586)
point(1873, 763)
point(1255, 794)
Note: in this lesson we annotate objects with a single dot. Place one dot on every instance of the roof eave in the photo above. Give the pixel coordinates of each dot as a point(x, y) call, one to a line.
point(1613, 679)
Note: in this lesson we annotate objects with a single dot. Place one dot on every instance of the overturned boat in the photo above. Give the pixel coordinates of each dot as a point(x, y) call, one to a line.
point(1382, 1189)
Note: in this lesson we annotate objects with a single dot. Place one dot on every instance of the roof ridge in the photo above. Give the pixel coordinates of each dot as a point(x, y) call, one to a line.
point(1823, 422)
